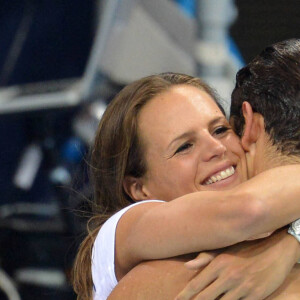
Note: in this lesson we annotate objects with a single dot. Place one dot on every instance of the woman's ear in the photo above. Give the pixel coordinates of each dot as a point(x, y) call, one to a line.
point(251, 128)
point(135, 188)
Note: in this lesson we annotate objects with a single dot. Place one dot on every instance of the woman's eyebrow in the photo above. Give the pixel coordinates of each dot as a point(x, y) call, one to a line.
point(216, 120)
point(190, 133)
point(181, 136)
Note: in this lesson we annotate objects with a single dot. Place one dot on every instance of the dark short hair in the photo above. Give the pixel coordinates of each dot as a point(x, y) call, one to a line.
point(271, 84)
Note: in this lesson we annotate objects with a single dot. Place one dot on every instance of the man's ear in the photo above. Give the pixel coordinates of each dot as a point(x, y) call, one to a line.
point(251, 128)
point(135, 188)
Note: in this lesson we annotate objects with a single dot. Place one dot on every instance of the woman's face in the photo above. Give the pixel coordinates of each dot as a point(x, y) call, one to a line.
point(188, 145)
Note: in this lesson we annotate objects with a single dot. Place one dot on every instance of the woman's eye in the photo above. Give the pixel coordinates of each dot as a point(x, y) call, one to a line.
point(183, 147)
point(221, 130)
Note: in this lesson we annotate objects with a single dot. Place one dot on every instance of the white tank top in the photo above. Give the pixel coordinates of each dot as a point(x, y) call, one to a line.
point(103, 255)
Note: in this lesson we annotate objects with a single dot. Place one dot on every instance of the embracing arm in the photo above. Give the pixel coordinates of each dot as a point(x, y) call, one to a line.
point(209, 220)
point(239, 272)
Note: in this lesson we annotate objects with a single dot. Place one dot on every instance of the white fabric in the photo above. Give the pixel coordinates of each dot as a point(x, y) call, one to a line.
point(103, 255)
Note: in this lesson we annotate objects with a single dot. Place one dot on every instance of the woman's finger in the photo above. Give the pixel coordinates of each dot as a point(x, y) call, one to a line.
point(234, 295)
point(201, 260)
point(198, 283)
point(214, 290)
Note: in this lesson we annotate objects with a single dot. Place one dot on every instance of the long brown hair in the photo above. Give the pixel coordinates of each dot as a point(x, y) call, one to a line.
point(117, 153)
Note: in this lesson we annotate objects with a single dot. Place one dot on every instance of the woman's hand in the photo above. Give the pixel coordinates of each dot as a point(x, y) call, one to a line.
point(249, 270)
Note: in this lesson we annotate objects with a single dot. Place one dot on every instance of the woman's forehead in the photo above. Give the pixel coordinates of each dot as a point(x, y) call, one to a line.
point(179, 101)
point(176, 110)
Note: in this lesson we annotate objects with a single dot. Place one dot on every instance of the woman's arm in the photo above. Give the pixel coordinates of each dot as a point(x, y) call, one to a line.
point(209, 220)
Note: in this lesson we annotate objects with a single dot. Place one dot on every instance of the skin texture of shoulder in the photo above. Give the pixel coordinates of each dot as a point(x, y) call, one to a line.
point(290, 289)
point(170, 275)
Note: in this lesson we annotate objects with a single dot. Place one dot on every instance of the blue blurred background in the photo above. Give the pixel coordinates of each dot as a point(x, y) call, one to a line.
point(61, 62)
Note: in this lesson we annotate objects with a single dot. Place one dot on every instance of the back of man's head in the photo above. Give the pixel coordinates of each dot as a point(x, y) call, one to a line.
point(271, 84)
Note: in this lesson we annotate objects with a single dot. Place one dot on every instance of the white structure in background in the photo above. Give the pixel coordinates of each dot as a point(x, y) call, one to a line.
point(147, 37)
point(215, 63)
point(135, 38)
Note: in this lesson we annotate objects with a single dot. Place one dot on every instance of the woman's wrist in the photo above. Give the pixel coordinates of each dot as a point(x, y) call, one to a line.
point(294, 232)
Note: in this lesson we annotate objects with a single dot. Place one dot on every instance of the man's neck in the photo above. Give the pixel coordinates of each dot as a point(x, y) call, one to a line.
point(274, 158)
point(265, 155)
point(288, 160)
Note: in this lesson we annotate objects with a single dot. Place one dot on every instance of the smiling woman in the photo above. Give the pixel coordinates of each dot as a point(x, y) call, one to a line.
point(164, 137)
point(190, 134)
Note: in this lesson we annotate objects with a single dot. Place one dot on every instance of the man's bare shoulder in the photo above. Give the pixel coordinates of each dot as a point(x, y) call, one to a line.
point(164, 279)
point(160, 280)
point(290, 289)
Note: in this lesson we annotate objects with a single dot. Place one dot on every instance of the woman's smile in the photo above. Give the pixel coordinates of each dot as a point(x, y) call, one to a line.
point(225, 173)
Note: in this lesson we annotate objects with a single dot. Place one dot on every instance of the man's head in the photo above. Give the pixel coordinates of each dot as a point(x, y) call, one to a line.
point(271, 84)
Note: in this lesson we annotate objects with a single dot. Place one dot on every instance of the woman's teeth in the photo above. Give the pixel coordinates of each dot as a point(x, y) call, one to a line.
point(222, 175)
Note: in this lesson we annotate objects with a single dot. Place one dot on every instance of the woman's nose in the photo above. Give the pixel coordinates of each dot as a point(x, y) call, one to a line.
point(213, 148)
